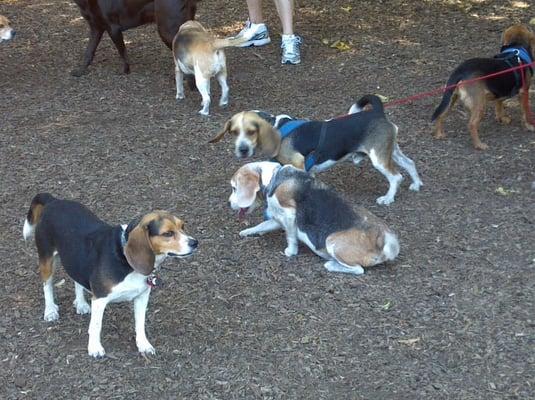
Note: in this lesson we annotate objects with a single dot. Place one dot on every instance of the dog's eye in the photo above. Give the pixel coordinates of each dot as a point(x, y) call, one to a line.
point(250, 133)
point(168, 234)
point(234, 132)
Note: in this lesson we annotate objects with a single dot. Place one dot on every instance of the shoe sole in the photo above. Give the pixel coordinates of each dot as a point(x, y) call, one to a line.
point(290, 62)
point(256, 43)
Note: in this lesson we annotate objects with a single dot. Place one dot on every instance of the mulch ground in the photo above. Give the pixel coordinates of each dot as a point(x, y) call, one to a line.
point(452, 318)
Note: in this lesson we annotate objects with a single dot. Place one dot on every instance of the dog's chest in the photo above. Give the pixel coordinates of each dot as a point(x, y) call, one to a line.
point(131, 287)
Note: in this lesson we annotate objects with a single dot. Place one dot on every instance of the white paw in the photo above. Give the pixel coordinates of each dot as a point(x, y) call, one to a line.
point(223, 103)
point(82, 307)
point(530, 127)
point(333, 266)
point(247, 232)
point(290, 251)
point(180, 97)
point(96, 350)
point(146, 348)
point(51, 313)
point(204, 112)
point(386, 200)
point(415, 186)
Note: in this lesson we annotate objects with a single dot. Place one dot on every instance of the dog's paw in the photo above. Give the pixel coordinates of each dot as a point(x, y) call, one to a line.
point(51, 313)
point(96, 350)
point(248, 232)
point(126, 68)
point(290, 251)
point(179, 97)
point(82, 307)
point(145, 348)
point(504, 119)
point(385, 200)
point(415, 186)
point(439, 135)
point(333, 266)
point(204, 112)
point(530, 127)
point(481, 146)
point(223, 103)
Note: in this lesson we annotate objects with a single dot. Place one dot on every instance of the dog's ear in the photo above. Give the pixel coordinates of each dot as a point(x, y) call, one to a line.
point(220, 135)
point(247, 185)
point(269, 139)
point(138, 250)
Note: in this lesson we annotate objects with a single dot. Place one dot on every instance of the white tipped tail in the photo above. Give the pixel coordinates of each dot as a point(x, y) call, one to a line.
point(391, 247)
point(27, 231)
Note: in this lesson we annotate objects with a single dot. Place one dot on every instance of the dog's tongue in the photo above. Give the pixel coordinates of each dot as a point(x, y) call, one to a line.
point(242, 213)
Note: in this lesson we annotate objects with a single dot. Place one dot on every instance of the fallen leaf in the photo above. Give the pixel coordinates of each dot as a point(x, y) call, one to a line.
point(387, 305)
point(409, 341)
point(341, 46)
point(347, 8)
point(532, 21)
point(325, 41)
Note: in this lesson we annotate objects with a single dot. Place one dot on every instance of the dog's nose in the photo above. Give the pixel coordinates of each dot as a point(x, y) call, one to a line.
point(193, 243)
point(244, 150)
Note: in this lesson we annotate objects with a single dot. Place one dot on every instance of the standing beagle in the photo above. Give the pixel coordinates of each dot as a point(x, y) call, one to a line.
point(113, 263)
point(318, 145)
point(310, 212)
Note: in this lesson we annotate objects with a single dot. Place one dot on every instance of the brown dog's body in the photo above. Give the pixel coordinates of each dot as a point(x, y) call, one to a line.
point(197, 52)
point(475, 95)
point(116, 16)
point(6, 31)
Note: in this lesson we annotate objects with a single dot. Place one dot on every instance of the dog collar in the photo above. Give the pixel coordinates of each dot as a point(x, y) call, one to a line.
point(123, 236)
point(153, 281)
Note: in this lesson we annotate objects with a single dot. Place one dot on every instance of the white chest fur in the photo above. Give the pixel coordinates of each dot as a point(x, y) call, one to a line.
point(131, 287)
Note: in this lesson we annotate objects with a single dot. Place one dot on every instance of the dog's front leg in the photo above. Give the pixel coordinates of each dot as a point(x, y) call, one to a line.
point(290, 227)
point(94, 348)
point(117, 38)
point(269, 225)
point(95, 35)
point(140, 309)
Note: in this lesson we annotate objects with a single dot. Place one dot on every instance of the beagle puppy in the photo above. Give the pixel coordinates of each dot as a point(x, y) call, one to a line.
point(518, 48)
point(318, 145)
point(113, 263)
point(6, 31)
point(311, 213)
point(197, 52)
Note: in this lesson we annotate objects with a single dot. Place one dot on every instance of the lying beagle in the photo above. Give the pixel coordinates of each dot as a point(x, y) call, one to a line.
point(308, 211)
point(196, 51)
point(113, 263)
point(318, 145)
point(6, 31)
point(518, 48)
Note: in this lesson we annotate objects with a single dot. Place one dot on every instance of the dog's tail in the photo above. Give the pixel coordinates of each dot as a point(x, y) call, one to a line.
point(34, 213)
point(229, 42)
point(446, 102)
point(369, 99)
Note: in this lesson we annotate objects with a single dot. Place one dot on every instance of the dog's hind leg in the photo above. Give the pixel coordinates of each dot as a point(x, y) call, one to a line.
point(179, 79)
point(477, 112)
point(95, 35)
point(203, 85)
point(46, 269)
point(501, 117)
point(384, 166)
point(82, 306)
point(222, 79)
point(408, 165)
point(117, 38)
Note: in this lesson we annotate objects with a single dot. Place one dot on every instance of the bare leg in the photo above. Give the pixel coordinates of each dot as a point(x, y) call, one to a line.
point(285, 10)
point(255, 11)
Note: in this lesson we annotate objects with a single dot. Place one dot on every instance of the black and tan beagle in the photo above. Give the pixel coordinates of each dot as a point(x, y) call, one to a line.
point(310, 212)
point(518, 48)
point(113, 263)
point(318, 145)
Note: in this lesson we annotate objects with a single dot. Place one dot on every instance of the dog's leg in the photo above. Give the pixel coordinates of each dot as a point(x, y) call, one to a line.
point(95, 35)
point(140, 309)
point(46, 269)
point(501, 117)
point(117, 37)
point(394, 177)
point(82, 306)
point(179, 78)
point(524, 106)
point(203, 85)
point(335, 266)
point(477, 111)
point(222, 79)
point(94, 348)
point(408, 165)
point(290, 227)
point(267, 226)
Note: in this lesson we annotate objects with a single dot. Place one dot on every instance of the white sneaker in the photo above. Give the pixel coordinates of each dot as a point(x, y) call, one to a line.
point(291, 50)
point(257, 34)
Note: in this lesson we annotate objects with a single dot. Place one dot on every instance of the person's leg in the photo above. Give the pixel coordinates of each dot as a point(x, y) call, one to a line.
point(255, 11)
point(291, 52)
point(285, 10)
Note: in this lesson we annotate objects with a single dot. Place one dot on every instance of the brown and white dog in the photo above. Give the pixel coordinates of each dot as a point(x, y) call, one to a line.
point(316, 146)
point(311, 213)
point(6, 31)
point(518, 48)
point(197, 52)
point(113, 263)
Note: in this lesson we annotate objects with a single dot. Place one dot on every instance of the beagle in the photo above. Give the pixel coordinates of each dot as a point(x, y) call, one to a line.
point(6, 31)
point(318, 145)
point(196, 51)
point(310, 212)
point(113, 263)
point(518, 48)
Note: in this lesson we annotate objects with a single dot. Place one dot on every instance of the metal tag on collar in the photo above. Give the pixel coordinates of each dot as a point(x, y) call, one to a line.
point(153, 281)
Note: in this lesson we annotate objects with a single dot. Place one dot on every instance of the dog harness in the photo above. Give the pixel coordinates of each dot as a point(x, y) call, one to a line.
point(516, 56)
point(288, 127)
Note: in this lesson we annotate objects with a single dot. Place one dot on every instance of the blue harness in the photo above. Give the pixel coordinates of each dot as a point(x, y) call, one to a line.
point(290, 126)
point(518, 54)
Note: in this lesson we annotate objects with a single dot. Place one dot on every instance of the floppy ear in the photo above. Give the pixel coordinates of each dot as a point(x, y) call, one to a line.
point(269, 139)
point(138, 251)
point(220, 135)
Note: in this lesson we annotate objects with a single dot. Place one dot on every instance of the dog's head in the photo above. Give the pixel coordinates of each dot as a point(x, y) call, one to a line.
point(253, 133)
point(158, 233)
point(519, 35)
point(246, 183)
point(6, 32)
